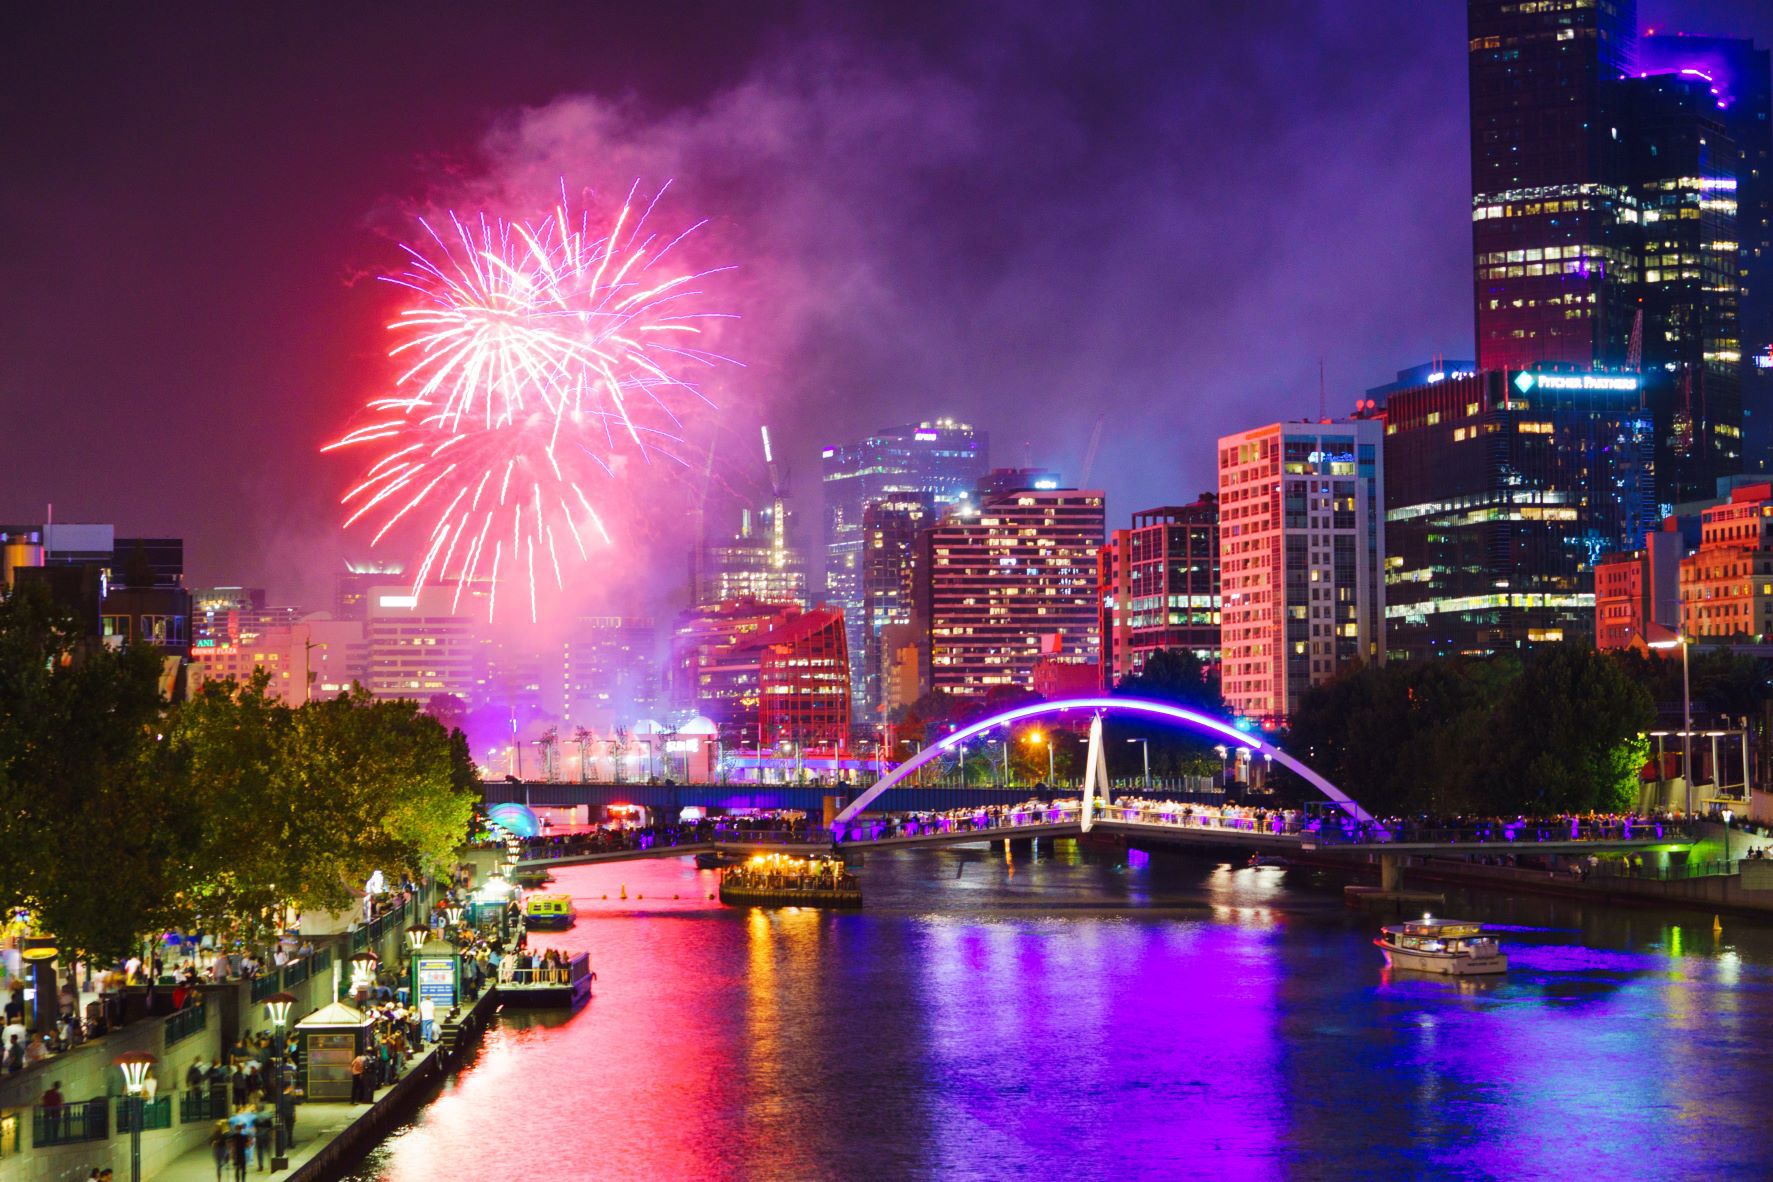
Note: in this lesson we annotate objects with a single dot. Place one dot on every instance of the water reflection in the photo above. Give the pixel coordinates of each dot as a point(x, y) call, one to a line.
point(1029, 1014)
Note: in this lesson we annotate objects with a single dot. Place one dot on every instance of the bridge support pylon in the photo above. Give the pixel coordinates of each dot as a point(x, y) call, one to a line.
point(1095, 775)
point(1391, 871)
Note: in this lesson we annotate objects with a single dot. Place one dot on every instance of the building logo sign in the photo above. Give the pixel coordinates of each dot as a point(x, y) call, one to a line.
point(1525, 381)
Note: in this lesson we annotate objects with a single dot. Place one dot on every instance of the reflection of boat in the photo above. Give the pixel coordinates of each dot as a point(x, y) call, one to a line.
point(1451, 947)
point(548, 911)
point(530, 879)
point(1268, 860)
point(783, 880)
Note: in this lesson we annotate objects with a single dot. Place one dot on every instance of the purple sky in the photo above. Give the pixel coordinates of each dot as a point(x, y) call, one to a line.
point(1021, 214)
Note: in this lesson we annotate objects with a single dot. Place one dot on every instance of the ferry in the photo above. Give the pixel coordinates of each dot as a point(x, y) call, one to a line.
point(1451, 947)
point(548, 911)
point(784, 880)
point(717, 859)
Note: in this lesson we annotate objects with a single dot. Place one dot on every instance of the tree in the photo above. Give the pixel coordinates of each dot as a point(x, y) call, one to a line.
point(1567, 736)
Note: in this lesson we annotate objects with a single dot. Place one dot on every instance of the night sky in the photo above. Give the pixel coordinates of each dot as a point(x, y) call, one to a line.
point(1021, 214)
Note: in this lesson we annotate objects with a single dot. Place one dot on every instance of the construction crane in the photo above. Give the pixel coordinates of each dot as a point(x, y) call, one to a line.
point(1089, 458)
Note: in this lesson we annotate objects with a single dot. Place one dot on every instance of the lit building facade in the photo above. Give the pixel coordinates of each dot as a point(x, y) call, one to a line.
point(1159, 587)
point(758, 563)
point(1301, 532)
point(935, 463)
point(609, 671)
point(1638, 589)
point(1620, 216)
point(1000, 588)
point(1727, 583)
point(420, 644)
point(767, 674)
point(1501, 490)
point(889, 583)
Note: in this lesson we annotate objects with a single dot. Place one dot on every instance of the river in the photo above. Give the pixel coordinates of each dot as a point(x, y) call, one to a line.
point(1082, 1016)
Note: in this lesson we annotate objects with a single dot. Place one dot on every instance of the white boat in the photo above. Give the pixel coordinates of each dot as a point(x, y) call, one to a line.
point(1451, 947)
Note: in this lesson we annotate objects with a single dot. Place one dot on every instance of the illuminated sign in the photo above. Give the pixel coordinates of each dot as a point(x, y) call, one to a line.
point(1524, 381)
point(1764, 360)
point(397, 601)
point(1442, 375)
point(1046, 484)
point(926, 436)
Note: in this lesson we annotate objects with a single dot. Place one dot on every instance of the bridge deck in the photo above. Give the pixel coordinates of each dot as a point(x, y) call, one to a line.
point(1198, 835)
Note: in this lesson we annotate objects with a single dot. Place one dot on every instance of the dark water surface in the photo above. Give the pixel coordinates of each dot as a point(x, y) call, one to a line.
point(1079, 1017)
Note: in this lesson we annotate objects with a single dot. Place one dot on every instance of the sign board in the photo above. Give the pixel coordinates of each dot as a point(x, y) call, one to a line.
point(437, 981)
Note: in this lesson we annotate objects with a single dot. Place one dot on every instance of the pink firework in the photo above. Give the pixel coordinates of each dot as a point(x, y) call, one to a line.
point(539, 360)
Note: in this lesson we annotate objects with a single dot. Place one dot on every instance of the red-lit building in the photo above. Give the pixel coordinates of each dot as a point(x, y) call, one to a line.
point(766, 674)
point(1637, 589)
point(1159, 587)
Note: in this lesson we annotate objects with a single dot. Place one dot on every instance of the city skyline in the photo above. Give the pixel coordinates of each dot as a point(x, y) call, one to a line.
point(272, 324)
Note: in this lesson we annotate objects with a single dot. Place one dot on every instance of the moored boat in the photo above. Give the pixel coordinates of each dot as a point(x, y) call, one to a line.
point(542, 911)
point(1450, 947)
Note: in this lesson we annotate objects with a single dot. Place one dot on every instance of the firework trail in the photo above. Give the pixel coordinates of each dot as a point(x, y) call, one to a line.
point(539, 360)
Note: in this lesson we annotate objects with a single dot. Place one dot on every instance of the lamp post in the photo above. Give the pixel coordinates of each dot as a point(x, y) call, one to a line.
point(363, 971)
point(454, 914)
point(135, 1067)
point(277, 1008)
point(1040, 740)
point(416, 935)
point(1145, 746)
point(1005, 744)
point(1681, 638)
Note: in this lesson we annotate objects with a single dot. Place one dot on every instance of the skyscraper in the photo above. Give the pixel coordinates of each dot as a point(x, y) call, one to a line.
point(759, 562)
point(1501, 489)
point(1160, 587)
point(935, 463)
point(1619, 198)
point(1002, 586)
point(889, 582)
point(1301, 533)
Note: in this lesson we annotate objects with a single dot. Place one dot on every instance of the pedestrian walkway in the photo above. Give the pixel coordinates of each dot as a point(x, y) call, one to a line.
point(317, 1125)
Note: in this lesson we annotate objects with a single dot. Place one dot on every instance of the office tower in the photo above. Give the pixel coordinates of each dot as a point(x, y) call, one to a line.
point(935, 463)
point(1619, 206)
point(420, 644)
point(1727, 583)
point(1002, 585)
point(696, 635)
point(759, 562)
point(1501, 491)
point(352, 587)
point(610, 671)
point(1301, 533)
point(889, 582)
point(1738, 77)
point(1160, 587)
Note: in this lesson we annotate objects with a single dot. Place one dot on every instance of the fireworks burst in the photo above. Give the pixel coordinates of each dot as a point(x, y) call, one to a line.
point(539, 360)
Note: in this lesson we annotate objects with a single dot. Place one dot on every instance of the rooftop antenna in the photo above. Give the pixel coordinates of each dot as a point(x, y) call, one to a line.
point(1322, 394)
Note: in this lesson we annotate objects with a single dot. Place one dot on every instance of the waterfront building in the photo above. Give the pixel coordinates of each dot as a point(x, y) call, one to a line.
point(1638, 589)
point(934, 464)
point(1727, 583)
point(1159, 587)
point(766, 674)
point(1301, 533)
point(1502, 488)
point(1001, 586)
point(420, 643)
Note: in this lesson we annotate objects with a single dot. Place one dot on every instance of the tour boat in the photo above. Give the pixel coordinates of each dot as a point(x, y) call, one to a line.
point(548, 911)
point(1451, 947)
point(782, 880)
point(716, 859)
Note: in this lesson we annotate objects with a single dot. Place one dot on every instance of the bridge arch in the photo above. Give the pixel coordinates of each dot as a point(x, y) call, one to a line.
point(1217, 727)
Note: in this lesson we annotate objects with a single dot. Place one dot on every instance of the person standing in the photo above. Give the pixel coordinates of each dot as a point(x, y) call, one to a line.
point(219, 1139)
point(263, 1124)
point(427, 1021)
point(359, 1077)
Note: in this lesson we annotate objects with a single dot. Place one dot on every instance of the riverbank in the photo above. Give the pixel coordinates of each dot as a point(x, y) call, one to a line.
point(332, 1138)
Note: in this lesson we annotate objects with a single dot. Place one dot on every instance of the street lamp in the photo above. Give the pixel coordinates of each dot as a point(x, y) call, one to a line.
point(277, 1007)
point(1681, 639)
point(135, 1067)
point(1040, 740)
point(1145, 746)
point(363, 970)
point(454, 913)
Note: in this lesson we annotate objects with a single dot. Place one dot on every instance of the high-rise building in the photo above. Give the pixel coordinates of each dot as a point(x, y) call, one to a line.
point(889, 581)
point(1619, 205)
point(935, 463)
point(1160, 587)
point(696, 636)
point(353, 587)
point(1301, 532)
point(610, 671)
point(1501, 491)
point(1001, 586)
point(759, 562)
point(420, 644)
point(1727, 584)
